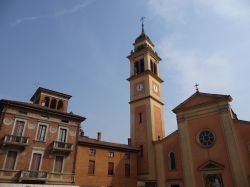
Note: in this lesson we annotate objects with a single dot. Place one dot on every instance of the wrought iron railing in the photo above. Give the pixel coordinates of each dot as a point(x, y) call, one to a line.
point(33, 175)
point(15, 140)
point(62, 146)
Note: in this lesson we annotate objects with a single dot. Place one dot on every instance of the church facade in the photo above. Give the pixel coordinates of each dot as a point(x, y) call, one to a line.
point(211, 146)
point(42, 144)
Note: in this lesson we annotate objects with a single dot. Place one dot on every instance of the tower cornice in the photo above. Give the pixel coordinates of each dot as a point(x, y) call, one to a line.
point(146, 97)
point(147, 72)
point(146, 49)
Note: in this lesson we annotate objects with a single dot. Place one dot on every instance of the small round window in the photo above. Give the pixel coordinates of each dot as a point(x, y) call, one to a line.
point(206, 138)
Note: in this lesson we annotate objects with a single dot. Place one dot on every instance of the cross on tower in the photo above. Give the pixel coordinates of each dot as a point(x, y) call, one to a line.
point(196, 87)
point(142, 23)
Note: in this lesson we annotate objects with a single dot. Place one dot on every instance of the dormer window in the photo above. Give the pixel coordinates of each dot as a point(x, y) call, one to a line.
point(139, 67)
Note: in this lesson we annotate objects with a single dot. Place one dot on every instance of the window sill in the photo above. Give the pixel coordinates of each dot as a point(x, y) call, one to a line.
point(39, 141)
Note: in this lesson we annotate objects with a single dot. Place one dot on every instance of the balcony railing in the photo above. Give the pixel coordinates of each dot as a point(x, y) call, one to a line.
point(62, 147)
point(15, 140)
point(33, 176)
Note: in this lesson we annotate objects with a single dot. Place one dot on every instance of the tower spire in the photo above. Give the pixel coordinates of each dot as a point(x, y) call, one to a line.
point(142, 24)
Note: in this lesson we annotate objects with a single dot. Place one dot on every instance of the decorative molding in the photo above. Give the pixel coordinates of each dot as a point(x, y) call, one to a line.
point(72, 133)
point(52, 130)
point(31, 125)
point(8, 121)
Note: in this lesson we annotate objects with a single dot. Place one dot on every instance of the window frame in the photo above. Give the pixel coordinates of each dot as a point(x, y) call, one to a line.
point(14, 126)
point(67, 133)
point(38, 152)
point(111, 154)
point(91, 173)
point(170, 161)
point(54, 165)
point(92, 151)
point(127, 169)
point(37, 131)
point(6, 157)
point(113, 165)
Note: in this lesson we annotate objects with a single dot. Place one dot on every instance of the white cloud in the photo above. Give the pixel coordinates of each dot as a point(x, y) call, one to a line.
point(72, 10)
point(170, 10)
point(212, 72)
point(178, 11)
point(229, 9)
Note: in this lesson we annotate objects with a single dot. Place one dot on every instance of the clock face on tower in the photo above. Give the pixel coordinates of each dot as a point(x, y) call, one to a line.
point(139, 87)
point(155, 88)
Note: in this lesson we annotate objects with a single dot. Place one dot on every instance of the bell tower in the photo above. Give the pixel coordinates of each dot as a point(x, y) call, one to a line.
point(146, 106)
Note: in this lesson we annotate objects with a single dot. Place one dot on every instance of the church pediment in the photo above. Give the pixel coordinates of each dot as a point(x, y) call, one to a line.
point(199, 98)
point(211, 165)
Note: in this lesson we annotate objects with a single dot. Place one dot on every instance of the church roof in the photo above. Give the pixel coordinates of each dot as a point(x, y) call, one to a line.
point(143, 37)
point(84, 140)
point(200, 98)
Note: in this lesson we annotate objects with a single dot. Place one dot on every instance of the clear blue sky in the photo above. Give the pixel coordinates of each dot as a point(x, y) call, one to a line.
point(79, 47)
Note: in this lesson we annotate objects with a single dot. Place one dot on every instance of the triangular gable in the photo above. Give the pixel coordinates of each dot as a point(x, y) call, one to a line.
point(200, 98)
point(211, 165)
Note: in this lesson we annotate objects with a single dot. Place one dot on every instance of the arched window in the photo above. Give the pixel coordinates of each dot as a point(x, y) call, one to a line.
point(141, 65)
point(46, 99)
point(53, 103)
point(60, 105)
point(172, 161)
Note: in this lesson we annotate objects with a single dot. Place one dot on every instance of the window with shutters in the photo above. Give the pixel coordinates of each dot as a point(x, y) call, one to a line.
point(127, 170)
point(19, 128)
point(36, 162)
point(11, 160)
point(58, 164)
point(91, 168)
point(41, 134)
point(110, 168)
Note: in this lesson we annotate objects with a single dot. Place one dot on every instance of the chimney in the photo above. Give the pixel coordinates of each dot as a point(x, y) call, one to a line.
point(99, 136)
point(129, 141)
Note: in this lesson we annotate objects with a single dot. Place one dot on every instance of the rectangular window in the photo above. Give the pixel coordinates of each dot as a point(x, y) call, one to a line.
point(142, 66)
point(41, 133)
point(91, 169)
point(136, 68)
point(111, 154)
point(92, 152)
point(141, 150)
point(127, 156)
point(110, 168)
point(174, 185)
point(140, 117)
point(11, 160)
point(155, 68)
point(62, 135)
point(127, 170)
point(19, 127)
point(151, 65)
point(36, 160)
point(58, 164)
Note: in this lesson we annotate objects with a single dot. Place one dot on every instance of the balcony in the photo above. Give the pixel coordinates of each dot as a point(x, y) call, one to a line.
point(36, 176)
point(62, 147)
point(17, 141)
